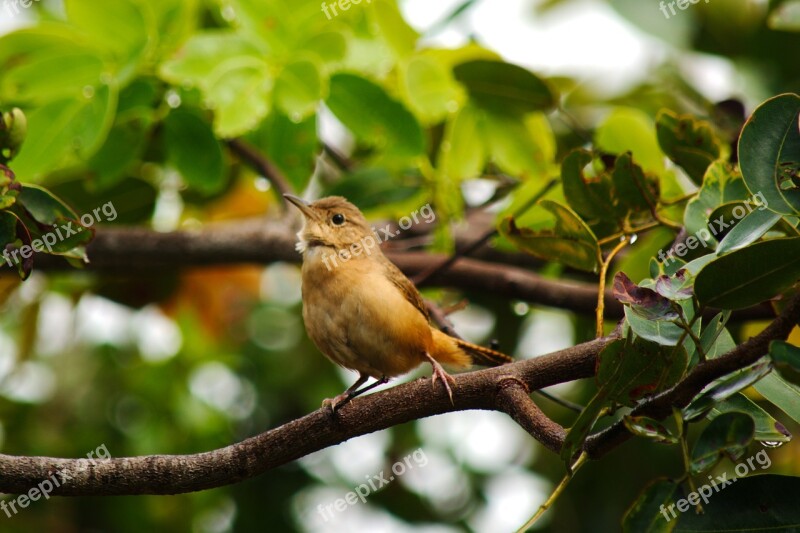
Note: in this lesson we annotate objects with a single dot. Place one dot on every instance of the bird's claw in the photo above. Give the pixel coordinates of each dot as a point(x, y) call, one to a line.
point(447, 379)
point(337, 401)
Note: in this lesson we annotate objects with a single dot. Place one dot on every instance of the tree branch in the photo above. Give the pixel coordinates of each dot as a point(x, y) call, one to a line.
point(660, 406)
point(174, 474)
point(263, 241)
point(514, 400)
point(250, 155)
point(503, 388)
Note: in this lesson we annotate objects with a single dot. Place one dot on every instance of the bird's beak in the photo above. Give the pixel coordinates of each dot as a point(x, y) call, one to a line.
point(302, 205)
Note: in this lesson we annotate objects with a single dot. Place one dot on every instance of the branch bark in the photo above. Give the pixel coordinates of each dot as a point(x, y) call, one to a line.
point(503, 389)
point(250, 155)
point(174, 474)
point(125, 250)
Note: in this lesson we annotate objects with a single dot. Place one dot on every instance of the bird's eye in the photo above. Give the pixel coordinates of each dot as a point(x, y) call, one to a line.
point(337, 219)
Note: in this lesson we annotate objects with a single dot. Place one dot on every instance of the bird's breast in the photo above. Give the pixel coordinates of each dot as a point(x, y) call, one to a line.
point(359, 319)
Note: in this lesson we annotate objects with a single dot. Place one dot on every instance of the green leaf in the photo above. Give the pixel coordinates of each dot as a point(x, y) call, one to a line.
point(615, 194)
point(637, 368)
point(127, 202)
point(770, 140)
point(328, 46)
point(642, 426)
point(750, 275)
point(755, 503)
point(232, 75)
point(373, 117)
point(786, 358)
point(571, 242)
point(65, 130)
point(645, 513)
point(782, 394)
point(279, 25)
point(627, 371)
point(117, 27)
point(393, 29)
point(724, 388)
point(634, 191)
point(715, 339)
point(238, 97)
point(588, 195)
point(631, 130)
point(52, 75)
point(463, 152)
point(512, 147)
point(785, 17)
point(12, 230)
point(694, 266)
point(767, 428)
point(291, 146)
point(174, 20)
point(299, 88)
point(728, 435)
point(8, 228)
point(203, 54)
point(748, 230)
point(374, 187)
point(575, 437)
point(503, 87)
point(663, 332)
point(689, 142)
point(676, 287)
point(47, 217)
point(721, 184)
point(43, 206)
point(194, 151)
point(430, 89)
point(123, 146)
point(722, 219)
point(47, 63)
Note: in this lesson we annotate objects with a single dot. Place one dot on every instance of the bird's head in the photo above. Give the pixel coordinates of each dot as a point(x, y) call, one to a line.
point(331, 222)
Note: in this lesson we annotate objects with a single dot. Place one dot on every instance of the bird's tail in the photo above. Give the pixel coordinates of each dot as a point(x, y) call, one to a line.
point(450, 350)
point(483, 356)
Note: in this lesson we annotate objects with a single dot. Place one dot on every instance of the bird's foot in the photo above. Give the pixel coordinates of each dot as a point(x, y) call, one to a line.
point(352, 392)
point(440, 373)
point(337, 401)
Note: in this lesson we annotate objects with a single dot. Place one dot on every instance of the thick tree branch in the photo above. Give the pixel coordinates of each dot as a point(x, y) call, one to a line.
point(514, 399)
point(503, 388)
point(137, 249)
point(125, 250)
point(173, 474)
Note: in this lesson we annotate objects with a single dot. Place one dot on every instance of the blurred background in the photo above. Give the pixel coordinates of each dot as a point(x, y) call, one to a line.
point(183, 361)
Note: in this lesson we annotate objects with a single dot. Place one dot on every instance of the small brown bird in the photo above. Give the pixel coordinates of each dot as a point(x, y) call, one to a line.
point(361, 311)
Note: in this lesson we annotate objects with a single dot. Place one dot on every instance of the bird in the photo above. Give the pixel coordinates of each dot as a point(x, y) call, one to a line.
point(362, 312)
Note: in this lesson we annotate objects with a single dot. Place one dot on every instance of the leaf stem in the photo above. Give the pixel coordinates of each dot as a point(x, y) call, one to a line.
point(556, 493)
point(630, 231)
point(601, 290)
point(686, 458)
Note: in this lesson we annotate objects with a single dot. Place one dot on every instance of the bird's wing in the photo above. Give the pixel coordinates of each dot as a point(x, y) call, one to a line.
point(406, 287)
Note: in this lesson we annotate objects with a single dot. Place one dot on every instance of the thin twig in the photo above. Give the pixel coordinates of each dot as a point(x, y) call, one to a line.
point(556, 493)
point(250, 155)
point(337, 157)
point(572, 406)
point(444, 265)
